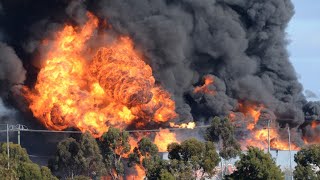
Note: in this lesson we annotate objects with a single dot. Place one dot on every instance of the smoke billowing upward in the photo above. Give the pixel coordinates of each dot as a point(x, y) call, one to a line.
point(11, 74)
point(11, 70)
point(241, 45)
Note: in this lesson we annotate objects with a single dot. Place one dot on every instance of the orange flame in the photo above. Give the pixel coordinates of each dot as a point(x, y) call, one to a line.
point(163, 138)
point(283, 145)
point(252, 112)
point(314, 124)
point(260, 140)
point(190, 125)
point(259, 137)
point(92, 89)
point(208, 80)
point(313, 139)
point(140, 174)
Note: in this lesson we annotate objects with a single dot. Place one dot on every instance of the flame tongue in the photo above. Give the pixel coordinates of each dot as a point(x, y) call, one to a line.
point(163, 138)
point(190, 125)
point(257, 135)
point(117, 88)
point(208, 81)
point(311, 136)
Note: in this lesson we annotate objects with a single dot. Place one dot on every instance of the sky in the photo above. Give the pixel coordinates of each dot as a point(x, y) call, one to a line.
point(304, 47)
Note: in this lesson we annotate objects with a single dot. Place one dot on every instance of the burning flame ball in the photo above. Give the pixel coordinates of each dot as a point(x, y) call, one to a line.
point(92, 88)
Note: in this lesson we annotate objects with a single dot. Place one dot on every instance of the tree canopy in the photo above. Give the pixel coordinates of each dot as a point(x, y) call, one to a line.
point(147, 156)
point(221, 130)
point(308, 163)
point(193, 155)
point(77, 157)
point(256, 165)
point(114, 145)
point(21, 167)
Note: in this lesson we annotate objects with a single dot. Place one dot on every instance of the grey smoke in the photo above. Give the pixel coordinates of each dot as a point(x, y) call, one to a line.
point(7, 115)
point(312, 110)
point(242, 43)
point(4, 111)
point(12, 71)
point(310, 94)
point(11, 68)
point(77, 11)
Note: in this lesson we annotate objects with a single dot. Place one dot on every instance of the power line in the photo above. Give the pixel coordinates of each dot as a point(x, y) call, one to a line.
point(23, 128)
point(39, 156)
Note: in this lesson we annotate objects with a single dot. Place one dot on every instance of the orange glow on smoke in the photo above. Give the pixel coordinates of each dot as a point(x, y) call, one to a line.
point(315, 139)
point(163, 138)
point(259, 137)
point(253, 113)
point(208, 80)
point(94, 88)
point(314, 124)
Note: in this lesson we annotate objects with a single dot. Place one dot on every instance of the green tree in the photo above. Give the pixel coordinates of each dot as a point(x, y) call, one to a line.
point(195, 155)
point(222, 130)
point(308, 163)
point(256, 165)
point(180, 170)
point(115, 145)
point(146, 155)
point(80, 157)
point(46, 174)
point(21, 167)
point(166, 175)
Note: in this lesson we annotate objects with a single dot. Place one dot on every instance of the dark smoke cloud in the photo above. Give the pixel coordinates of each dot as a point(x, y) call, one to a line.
point(11, 68)
point(312, 111)
point(1, 9)
point(12, 71)
point(5, 113)
point(77, 11)
point(242, 43)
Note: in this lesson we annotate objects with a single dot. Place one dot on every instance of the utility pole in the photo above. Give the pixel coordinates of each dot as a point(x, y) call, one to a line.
point(290, 151)
point(220, 149)
point(269, 136)
point(8, 148)
point(19, 126)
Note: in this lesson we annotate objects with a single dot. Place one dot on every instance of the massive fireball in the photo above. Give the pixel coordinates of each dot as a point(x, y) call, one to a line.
point(93, 88)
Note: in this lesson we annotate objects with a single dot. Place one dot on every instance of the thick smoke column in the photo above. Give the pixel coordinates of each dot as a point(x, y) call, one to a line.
point(11, 73)
point(241, 43)
point(11, 69)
